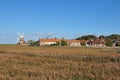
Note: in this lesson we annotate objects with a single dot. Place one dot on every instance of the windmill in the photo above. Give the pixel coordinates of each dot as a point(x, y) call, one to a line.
point(20, 38)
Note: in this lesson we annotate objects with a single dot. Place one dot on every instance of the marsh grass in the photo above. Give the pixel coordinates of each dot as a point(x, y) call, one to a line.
point(118, 51)
point(58, 63)
point(2, 52)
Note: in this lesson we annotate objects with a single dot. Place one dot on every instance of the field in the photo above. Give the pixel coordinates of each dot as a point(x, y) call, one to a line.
point(59, 63)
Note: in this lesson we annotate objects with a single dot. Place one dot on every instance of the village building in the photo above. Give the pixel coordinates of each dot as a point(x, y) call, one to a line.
point(76, 42)
point(116, 42)
point(53, 41)
point(73, 43)
point(48, 42)
point(98, 42)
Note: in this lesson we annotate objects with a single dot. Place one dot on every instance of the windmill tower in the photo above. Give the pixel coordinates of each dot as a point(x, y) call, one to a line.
point(22, 40)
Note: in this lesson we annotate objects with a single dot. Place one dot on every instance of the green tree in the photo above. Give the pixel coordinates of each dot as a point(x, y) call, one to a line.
point(33, 43)
point(86, 37)
point(30, 41)
point(110, 39)
point(63, 43)
point(109, 43)
point(102, 36)
point(57, 43)
point(83, 44)
point(113, 36)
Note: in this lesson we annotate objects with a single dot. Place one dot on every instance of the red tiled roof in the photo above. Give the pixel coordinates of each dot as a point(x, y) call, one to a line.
point(83, 41)
point(50, 40)
point(73, 41)
point(58, 40)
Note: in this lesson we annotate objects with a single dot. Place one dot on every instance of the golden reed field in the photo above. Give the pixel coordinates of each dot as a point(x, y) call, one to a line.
point(59, 63)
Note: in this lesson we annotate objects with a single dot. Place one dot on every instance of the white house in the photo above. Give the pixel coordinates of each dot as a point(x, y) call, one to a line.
point(48, 42)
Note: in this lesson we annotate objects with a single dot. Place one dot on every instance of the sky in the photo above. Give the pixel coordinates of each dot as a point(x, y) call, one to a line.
point(57, 18)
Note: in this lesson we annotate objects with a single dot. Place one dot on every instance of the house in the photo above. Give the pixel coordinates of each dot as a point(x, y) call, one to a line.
point(116, 42)
point(48, 42)
point(53, 41)
point(98, 42)
point(73, 43)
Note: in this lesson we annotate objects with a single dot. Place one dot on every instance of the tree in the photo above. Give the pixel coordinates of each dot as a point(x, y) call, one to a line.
point(29, 41)
point(86, 37)
point(33, 43)
point(109, 43)
point(83, 44)
point(101, 36)
point(56, 44)
point(63, 43)
point(112, 39)
point(113, 36)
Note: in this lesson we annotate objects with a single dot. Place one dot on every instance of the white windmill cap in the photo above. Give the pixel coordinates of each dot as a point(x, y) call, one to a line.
point(21, 36)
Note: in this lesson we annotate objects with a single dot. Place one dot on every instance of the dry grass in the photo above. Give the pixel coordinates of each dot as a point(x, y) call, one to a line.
point(59, 63)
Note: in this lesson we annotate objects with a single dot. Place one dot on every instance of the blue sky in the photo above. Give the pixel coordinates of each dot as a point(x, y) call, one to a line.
point(36, 18)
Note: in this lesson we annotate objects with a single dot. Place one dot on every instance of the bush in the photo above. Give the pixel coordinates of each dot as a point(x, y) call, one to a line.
point(63, 43)
point(109, 43)
point(57, 44)
point(83, 44)
point(36, 43)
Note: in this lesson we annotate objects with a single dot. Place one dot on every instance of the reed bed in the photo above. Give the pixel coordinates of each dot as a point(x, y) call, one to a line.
point(59, 63)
